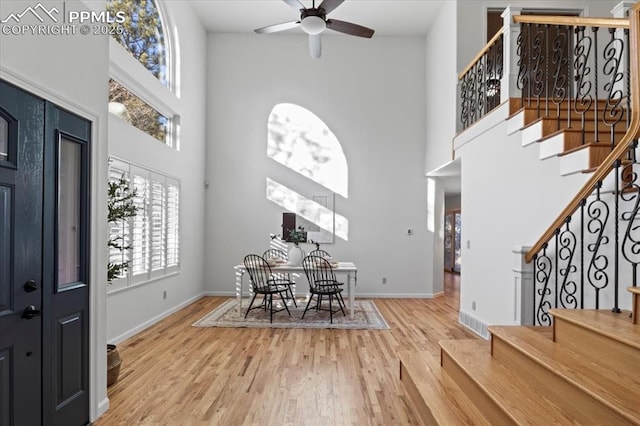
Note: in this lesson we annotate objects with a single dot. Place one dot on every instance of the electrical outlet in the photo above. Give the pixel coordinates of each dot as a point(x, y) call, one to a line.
point(473, 305)
point(468, 244)
point(409, 231)
point(164, 294)
point(384, 280)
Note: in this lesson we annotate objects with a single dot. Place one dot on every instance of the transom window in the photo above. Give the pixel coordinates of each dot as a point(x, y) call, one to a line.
point(138, 113)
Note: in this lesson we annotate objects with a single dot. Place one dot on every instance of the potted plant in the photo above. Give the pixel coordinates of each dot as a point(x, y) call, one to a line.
point(296, 236)
point(121, 207)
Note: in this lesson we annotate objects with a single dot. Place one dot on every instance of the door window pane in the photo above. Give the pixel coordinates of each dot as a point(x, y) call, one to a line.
point(4, 139)
point(69, 213)
point(5, 246)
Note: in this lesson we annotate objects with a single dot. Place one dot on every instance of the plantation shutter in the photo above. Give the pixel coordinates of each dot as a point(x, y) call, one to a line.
point(173, 223)
point(158, 223)
point(141, 231)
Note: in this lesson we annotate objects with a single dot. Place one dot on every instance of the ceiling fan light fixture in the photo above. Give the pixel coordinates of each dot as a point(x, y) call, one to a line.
point(313, 25)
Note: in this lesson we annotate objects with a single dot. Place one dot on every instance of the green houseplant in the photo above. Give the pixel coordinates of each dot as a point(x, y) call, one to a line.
point(121, 207)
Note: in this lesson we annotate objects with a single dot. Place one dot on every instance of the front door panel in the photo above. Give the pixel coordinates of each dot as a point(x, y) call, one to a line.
point(21, 198)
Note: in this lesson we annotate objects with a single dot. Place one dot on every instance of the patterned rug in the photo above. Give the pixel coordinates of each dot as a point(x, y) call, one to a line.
point(366, 316)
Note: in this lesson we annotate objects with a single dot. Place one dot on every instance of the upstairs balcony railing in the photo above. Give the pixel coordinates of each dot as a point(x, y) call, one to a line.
point(480, 82)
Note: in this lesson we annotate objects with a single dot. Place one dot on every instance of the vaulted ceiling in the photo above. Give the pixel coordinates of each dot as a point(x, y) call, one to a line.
point(386, 17)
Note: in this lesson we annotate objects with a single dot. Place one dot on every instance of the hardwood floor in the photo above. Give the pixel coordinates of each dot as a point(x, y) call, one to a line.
point(175, 374)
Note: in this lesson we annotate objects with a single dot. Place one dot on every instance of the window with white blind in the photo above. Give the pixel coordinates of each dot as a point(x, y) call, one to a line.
point(153, 235)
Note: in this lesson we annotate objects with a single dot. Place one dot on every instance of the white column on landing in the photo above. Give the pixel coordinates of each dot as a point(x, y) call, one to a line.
point(509, 88)
point(523, 287)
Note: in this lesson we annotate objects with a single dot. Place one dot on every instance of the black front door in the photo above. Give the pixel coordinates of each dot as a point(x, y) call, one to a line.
point(44, 262)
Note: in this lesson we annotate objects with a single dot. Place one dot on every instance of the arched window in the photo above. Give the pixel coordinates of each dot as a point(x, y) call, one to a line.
point(143, 35)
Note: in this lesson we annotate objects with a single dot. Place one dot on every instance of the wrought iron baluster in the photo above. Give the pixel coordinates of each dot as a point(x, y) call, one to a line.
point(630, 194)
point(596, 119)
point(569, 81)
point(616, 245)
point(583, 203)
point(557, 263)
point(523, 62)
point(597, 275)
point(464, 96)
point(481, 89)
point(582, 69)
point(628, 76)
point(566, 251)
point(543, 269)
point(472, 95)
point(613, 112)
point(559, 62)
point(538, 58)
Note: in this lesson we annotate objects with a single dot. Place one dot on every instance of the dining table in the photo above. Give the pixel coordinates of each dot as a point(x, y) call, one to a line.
point(348, 269)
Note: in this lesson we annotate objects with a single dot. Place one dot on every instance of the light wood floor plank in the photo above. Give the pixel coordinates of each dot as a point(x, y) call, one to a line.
point(175, 374)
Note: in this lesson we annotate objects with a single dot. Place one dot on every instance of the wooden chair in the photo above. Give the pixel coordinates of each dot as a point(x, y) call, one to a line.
point(322, 283)
point(264, 283)
point(321, 253)
point(283, 279)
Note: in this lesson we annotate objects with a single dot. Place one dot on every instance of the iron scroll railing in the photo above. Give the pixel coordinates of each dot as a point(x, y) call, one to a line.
point(480, 82)
point(594, 244)
point(576, 74)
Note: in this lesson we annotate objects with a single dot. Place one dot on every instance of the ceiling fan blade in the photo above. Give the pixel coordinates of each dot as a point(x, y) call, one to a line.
point(278, 27)
point(296, 4)
point(315, 46)
point(329, 5)
point(349, 28)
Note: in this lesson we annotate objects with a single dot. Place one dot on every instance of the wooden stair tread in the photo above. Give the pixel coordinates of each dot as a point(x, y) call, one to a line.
point(616, 326)
point(441, 400)
point(521, 403)
point(620, 392)
point(635, 290)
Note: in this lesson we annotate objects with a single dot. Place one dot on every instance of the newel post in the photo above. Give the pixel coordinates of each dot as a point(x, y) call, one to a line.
point(509, 86)
point(523, 287)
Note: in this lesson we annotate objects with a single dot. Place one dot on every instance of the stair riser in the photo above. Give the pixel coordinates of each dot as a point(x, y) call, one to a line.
point(485, 404)
point(420, 407)
point(616, 355)
point(581, 406)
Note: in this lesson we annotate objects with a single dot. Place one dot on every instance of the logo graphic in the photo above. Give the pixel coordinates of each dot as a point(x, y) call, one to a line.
point(38, 11)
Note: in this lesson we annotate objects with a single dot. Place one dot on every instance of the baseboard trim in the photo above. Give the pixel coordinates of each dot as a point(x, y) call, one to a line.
point(103, 406)
point(474, 324)
point(137, 329)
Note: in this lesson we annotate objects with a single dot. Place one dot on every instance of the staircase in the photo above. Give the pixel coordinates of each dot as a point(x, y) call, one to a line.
point(584, 369)
point(559, 130)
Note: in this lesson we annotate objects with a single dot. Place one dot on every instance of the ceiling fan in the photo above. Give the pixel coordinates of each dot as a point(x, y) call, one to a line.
point(313, 21)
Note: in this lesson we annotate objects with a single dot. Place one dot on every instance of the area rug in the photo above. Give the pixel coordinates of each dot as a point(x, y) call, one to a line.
point(366, 316)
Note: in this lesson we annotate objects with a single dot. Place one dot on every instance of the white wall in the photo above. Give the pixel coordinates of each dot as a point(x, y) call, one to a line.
point(371, 95)
point(132, 309)
point(441, 82)
point(51, 67)
point(509, 197)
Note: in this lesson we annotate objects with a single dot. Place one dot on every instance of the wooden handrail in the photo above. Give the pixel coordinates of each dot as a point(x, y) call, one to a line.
point(484, 50)
point(621, 148)
point(574, 21)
